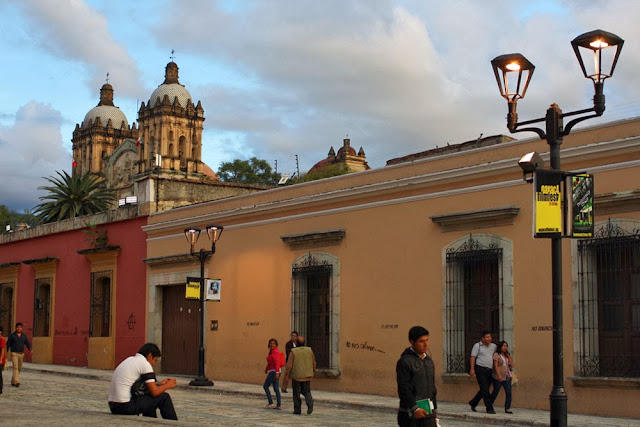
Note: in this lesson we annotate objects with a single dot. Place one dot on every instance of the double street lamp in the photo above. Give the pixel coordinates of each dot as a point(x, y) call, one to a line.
point(513, 73)
point(192, 234)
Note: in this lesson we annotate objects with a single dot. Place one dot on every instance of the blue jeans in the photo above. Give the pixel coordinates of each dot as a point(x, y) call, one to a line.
point(272, 381)
point(507, 390)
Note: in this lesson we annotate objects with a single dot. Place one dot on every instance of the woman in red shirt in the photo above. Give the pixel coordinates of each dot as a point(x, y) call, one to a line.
point(273, 374)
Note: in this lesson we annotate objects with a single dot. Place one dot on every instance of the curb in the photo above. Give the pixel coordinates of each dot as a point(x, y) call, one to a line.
point(470, 417)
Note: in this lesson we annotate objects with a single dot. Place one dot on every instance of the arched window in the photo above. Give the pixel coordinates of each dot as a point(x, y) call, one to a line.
point(607, 293)
point(315, 306)
point(478, 295)
point(182, 152)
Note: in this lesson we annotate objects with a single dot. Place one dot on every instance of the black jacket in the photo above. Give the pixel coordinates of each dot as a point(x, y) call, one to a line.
point(416, 379)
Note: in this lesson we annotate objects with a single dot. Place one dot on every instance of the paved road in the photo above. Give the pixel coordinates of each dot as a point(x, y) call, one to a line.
point(56, 400)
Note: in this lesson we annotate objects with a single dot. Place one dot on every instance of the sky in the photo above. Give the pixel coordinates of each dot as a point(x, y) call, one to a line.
point(283, 78)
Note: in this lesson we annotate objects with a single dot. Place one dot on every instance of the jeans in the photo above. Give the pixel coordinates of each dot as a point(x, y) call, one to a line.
point(16, 360)
point(303, 387)
point(271, 380)
point(484, 378)
point(507, 390)
point(146, 405)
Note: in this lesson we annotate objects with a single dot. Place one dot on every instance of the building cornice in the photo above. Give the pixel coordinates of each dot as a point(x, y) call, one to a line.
point(476, 219)
point(314, 239)
point(396, 186)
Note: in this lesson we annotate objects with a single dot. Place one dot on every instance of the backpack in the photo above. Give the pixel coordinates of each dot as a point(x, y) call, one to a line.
point(283, 360)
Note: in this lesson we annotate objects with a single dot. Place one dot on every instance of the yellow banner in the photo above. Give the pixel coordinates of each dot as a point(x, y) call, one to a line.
point(547, 204)
point(193, 288)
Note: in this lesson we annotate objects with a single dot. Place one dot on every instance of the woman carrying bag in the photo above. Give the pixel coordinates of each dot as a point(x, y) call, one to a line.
point(502, 375)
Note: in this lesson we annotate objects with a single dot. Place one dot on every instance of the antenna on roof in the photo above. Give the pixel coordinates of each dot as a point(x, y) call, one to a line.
point(107, 77)
point(172, 55)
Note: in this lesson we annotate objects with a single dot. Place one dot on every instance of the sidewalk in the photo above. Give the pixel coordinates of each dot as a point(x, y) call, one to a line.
point(446, 410)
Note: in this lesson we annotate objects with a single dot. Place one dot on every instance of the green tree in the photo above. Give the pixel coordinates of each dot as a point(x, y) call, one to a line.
point(73, 195)
point(326, 172)
point(13, 218)
point(252, 171)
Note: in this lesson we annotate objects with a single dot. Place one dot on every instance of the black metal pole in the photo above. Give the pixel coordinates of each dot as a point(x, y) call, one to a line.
point(558, 396)
point(201, 380)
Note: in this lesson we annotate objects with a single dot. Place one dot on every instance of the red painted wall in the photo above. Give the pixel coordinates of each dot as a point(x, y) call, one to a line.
point(73, 287)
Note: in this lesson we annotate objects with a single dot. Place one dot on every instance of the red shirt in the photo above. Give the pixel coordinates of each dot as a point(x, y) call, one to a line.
point(273, 360)
point(3, 344)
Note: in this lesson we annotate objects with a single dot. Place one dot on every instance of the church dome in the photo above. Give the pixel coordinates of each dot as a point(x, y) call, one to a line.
point(171, 87)
point(106, 110)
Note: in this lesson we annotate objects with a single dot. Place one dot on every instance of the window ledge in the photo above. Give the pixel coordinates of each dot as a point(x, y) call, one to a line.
point(609, 382)
point(451, 378)
point(505, 215)
point(327, 373)
point(314, 239)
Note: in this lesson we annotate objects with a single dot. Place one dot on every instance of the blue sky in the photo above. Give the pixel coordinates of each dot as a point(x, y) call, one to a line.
point(279, 78)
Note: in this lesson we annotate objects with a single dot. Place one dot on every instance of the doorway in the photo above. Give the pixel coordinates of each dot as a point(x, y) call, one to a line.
point(180, 317)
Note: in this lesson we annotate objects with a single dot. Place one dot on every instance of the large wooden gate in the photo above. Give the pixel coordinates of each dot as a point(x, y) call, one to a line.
point(180, 318)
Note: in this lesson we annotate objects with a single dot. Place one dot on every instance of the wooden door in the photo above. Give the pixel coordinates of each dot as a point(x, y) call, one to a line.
point(180, 318)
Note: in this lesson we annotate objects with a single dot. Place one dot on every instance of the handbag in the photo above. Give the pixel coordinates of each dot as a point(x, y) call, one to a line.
point(139, 388)
point(514, 379)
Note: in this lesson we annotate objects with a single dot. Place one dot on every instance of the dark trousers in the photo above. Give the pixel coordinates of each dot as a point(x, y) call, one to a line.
point(507, 391)
point(303, 387)
point(484, 378)
point(146, 405)
point(405, 421)
point(1, 383)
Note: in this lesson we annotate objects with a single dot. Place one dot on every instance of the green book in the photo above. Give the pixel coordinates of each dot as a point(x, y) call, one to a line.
point(426, 405)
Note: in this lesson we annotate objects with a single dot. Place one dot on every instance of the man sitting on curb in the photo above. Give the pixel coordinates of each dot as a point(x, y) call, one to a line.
point(140, 367)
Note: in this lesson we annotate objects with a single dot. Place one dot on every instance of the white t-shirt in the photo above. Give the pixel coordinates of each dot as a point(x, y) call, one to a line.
point(128, 372)
point(484, 354)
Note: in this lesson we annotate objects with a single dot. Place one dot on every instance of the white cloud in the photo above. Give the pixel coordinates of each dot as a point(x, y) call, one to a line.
point(30, 148)
point(73, 30)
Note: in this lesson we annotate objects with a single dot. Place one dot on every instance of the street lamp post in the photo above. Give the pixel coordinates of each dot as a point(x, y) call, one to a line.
point(516, 66)
point(192, 234)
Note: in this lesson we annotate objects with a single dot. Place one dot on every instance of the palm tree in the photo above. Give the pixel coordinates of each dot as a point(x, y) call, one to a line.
point(73, 195)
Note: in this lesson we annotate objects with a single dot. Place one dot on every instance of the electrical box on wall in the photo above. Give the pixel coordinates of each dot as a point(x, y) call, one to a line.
point(214, 325)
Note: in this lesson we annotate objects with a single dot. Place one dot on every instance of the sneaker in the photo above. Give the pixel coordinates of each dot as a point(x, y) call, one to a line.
point(270, 406)
point(279, 408)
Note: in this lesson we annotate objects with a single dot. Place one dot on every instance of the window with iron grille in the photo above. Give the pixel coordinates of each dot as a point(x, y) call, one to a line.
point(42, 308)
point(100, 322)
point(314, 306)
point(609, 302)
point(6, 305)
point(476, 297)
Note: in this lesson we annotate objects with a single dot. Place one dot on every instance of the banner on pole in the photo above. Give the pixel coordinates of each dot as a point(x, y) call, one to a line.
point(213, 289)
point(547, 203)
point(193, 288)
point(581, 205)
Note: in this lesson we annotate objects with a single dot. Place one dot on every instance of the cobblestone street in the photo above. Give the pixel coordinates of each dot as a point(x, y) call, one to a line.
point(48, 399)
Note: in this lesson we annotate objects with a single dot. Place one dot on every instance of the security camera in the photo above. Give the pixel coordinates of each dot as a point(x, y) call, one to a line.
point(529, 163)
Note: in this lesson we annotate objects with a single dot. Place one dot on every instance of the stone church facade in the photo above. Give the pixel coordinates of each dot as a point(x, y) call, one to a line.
point(159, 159)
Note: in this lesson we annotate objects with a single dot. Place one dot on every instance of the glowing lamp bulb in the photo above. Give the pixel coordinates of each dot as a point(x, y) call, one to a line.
point(599, 44)
point(514, 66)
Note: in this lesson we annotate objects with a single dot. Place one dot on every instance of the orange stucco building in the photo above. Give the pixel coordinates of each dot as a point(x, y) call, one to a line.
point(442, 239)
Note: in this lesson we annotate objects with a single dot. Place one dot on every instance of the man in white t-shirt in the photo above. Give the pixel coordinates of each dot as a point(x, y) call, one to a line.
point(481, 368)
point(140, 367)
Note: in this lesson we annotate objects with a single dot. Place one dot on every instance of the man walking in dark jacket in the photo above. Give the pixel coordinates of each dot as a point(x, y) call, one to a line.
point(416, 374)
point(15, 344)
